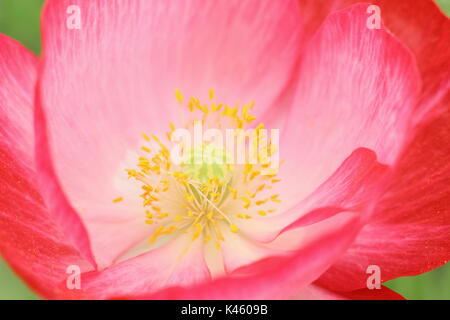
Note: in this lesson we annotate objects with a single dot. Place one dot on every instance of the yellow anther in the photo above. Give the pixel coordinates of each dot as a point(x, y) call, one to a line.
point(195, 235)
point(189, 197)
point(233, 192)
point(254, 174)
point(260, 202)
point(248, 168)
point(247, 202)
point(163, 147)
point(156, 234)
point(191, 105)
point(203, 108)
point(118, 199)
point(274, 198)
point(245, 111)
point(179, 96)
point(234, 228)
point(259, 126)
point(146, 137)
point(202, 199)
point(230, 112)
point(250, 119)
point(215, 108)
point(170, 229)
point(131, 173)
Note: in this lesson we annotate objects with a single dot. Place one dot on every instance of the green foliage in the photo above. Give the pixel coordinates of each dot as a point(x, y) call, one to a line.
point(433, 285)
point(19, 19)
point(12, 287)
point(445, 5)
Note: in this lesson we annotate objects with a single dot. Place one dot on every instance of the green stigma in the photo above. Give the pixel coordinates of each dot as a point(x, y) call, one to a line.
point(207, 161)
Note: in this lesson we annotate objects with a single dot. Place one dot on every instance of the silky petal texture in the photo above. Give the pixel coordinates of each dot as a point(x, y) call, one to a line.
point(420, 25)
point(238, 251)
point(355, 185)
point(409, 231)
point(384, 293)
point(425, 29)
point(314, 292)
point(361, 174)
point(273, 277)
point(179, 262)
point(30, 241)
point(367, 102)
point(106, 83)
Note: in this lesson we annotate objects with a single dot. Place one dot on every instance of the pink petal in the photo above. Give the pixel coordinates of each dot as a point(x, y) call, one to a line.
point(30, 241)
point(238, 251)
point(106, 83)
point(314, 292)
point(409, 232)
point(420, 25)
point(180, 262)
point(356, 185)
point(425, 29)
point(408, 235)
point(273, 277)
point(375, 294)
point(358, 88)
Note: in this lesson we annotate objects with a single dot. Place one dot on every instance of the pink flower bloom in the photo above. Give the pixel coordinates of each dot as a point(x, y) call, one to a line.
point(363, 116)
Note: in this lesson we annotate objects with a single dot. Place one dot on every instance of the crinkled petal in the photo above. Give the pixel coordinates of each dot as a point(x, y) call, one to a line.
point(105, 83)
point(419, 24)
point(409, 231)
point(357, 88)
point(273, 277)
point(355, 185)
point(30, 241)
point(179, 262)
point(315, 292)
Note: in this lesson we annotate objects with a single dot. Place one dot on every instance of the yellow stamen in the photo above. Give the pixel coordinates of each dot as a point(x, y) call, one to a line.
point(200, 200)
point(118, 199)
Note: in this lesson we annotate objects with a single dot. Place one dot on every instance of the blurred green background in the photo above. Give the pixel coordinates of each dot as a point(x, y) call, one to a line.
point(20, 20)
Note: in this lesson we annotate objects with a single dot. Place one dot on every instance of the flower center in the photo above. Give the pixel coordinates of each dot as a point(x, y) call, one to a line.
point(207, 188)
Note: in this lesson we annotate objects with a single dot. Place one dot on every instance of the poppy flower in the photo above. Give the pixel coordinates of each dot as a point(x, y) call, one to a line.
point(362, 111)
